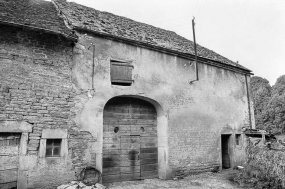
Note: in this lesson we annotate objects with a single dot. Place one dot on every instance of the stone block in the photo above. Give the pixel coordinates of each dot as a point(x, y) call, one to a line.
point(54, 133)
point(34, 138)
point(33, 141)
point(35, 134)
point(32, 148)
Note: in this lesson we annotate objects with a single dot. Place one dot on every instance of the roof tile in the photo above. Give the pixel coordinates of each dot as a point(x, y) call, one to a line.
point(35, 14)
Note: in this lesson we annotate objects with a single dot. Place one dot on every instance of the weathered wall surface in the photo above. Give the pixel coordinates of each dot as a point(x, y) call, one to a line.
point(196, 114)
point(36, 87)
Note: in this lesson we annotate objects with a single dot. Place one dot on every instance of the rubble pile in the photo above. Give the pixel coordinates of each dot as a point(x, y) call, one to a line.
point(80, 185)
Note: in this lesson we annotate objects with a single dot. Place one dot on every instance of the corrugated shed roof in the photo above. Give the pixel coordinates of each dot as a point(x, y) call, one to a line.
point(37, 14)
point(107, 23)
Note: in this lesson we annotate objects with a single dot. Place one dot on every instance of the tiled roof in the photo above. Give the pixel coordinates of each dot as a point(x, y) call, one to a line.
point(37, 14)
point(84, 17)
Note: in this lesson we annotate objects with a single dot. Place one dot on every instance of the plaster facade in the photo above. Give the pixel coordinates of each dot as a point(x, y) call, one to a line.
point(191, 117)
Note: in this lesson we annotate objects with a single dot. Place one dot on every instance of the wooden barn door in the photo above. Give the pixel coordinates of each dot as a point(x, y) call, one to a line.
point(130, 157)
point(9, 160)
point(129, 140)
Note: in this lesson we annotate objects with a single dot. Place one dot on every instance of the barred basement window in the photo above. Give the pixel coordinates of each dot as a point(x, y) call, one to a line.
point(121, 73)
point(53, 147)
point(238, 139)
point(10, 139)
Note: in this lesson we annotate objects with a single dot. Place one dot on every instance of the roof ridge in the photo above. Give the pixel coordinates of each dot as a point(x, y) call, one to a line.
point(124, 17)
point(95, 20)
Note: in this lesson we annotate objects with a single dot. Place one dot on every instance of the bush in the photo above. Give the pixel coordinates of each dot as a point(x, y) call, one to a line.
point(265, 168)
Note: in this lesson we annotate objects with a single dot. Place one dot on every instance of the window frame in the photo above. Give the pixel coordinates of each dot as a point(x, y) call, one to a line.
point(52, 146)
point(238, 139)
point(54, 134)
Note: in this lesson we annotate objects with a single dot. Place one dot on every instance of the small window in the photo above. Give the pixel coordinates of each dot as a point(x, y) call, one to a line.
point(238, 139)
point(10, 139)
point(53, 147)
point(121, 73)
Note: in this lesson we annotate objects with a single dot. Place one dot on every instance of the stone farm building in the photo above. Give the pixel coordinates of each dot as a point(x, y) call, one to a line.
point(81, 87)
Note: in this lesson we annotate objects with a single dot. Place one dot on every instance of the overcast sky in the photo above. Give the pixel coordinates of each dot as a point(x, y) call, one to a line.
point(249, 31)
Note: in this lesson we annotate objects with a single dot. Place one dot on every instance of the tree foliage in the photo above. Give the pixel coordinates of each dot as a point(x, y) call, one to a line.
point(261, 94)
point(279, 87)
point(274, 112)
point(269, 104)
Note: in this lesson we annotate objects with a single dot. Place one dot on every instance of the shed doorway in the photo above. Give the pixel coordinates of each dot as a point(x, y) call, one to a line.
point(225, 142)
point(129, 140)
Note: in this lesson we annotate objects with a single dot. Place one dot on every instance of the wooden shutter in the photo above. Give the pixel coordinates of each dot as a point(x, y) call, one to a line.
point(121, 72)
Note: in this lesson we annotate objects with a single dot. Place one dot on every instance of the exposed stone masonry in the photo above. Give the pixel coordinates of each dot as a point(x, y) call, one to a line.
point(36, 82)
point(78, 143)
point(36, 87)
point(41, 109)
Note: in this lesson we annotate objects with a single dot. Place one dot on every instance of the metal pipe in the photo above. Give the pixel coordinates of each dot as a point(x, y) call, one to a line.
point(195, 49)
point(248, 101)
point(93, 66)
point(92, 90)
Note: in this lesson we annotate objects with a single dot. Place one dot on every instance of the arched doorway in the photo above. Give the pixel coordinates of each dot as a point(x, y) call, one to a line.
point(130, 149)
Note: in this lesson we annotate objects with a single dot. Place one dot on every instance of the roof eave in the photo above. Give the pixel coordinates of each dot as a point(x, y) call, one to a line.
point(71, 38)
point(166, 50)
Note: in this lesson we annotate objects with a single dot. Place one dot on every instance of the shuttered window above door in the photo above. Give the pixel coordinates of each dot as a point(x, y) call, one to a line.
point(121, 73)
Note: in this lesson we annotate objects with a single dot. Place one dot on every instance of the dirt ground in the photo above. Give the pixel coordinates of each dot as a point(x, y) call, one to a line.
point(219, 180)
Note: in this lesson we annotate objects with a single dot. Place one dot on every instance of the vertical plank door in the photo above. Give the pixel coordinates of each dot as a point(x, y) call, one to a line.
point(130, 157)
point(9, 160)
point(129, 140)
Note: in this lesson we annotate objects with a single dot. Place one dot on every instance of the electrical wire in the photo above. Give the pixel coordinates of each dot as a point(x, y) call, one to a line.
point(184, 17)
point(195, 7)
point(201, 4)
